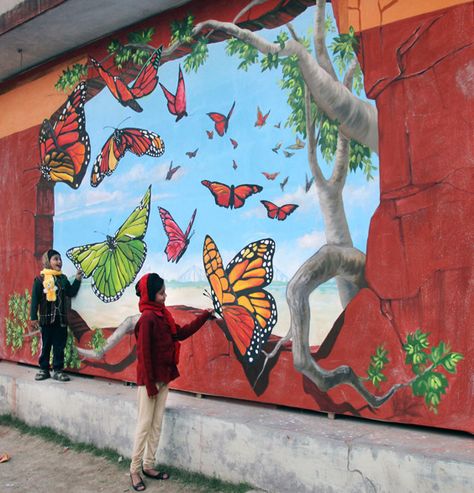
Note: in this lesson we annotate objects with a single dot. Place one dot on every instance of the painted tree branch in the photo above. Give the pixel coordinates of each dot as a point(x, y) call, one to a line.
point(126, 327)
point(320, 48)
point(328, 262)
point(357, 118)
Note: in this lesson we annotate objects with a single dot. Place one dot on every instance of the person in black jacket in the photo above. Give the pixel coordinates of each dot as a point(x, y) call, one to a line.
point(48, 300)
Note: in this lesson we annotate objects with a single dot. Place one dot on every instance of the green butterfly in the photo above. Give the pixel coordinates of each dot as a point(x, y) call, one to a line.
point(114, 263)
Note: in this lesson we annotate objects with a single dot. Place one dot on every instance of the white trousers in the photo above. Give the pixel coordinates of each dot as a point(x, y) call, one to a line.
point(148, 431)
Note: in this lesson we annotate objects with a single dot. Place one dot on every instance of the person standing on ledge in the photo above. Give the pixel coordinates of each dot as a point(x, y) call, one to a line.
point(157, 337)
point(48, 298)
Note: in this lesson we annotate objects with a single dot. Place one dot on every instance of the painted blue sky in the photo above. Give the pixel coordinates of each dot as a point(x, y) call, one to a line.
point(87, 214)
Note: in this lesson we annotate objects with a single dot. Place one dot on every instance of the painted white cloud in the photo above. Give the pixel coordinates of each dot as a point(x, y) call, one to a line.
point(313, 240)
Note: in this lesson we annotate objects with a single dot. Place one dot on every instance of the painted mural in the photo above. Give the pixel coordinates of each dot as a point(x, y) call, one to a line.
point(224, 168)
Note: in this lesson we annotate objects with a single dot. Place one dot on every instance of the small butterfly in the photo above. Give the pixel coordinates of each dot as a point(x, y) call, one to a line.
point(144, 84)
point(234, 164)
point(261, 119)
point(277, 125)
point(177, 240)
point(192, 154)
point(276, 148)
point(270, 176)
point(115, 263)
point(135, 140)
point(283, 183)
point(280, 213)
point(288, 154)
point(64, 143)
point(308, 183)
point(249, 312)
point(230, 197)
point(210, 134)
point(298, 145)
point(171, 171)
point(177, 101)
point(234, 143)
point(221, 122)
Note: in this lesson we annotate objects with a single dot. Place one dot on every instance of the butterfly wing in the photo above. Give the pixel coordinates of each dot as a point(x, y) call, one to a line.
point(242, 192)
point(285, 210)
point(117, 87)
point(171, 99)
point(222, 193)
point(140, 142)
point(221, 122)
point(249, 311)
point(147, 78)
point(180, 99)
point(177, 240)
point(64, 143)
point(234, 143)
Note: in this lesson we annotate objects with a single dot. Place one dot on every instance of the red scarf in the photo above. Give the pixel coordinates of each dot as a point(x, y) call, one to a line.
point(160, 310)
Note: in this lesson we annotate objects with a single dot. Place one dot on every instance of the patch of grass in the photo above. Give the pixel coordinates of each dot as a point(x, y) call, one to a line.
point(197, 480)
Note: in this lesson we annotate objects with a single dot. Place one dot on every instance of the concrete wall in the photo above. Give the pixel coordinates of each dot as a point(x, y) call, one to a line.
point(274, 449)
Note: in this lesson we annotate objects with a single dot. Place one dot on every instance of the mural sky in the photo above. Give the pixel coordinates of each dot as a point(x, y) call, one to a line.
point(88, 214)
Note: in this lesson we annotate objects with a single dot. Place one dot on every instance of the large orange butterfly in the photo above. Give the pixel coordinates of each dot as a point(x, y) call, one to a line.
point(249, 312)
point(144, 84)
point(136, 140)
point(230, 196)
point(64, 143)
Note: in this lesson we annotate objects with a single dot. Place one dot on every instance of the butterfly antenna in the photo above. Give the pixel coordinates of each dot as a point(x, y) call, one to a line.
point(207, 294)
point(118, 126)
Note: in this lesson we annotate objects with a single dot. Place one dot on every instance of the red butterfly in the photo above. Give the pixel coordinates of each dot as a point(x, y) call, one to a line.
point(234, 164)
point(134, 140)
point(144, 84)
point(64, 143)
point(280, 213)
point(210, 134)
point(231, 197)
point(261, 119)
point(234, 143)
point(177, 240)
point(171, 171)
point(221, 122)
point(176, 102)
point(270, 176)
point(192, 154)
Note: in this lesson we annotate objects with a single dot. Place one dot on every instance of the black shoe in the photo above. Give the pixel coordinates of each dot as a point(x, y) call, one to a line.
point(42, 375)
point(60, 376)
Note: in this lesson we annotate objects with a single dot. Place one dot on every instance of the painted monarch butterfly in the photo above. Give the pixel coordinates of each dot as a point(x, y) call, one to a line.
point(221, 122)
point(144, 84)
point(234, 143)
point(176, 102)
point(230, 196)
point(64, 144)
point(115, 263)
point(299, 144)
point(270, 176)
point(135, 140)
point(177, 240)
point(192, 154)
point(280, 213)
point(261, 118)
point(249, 312)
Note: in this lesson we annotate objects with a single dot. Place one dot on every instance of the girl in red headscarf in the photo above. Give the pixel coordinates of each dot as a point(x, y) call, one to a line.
point(158, 338)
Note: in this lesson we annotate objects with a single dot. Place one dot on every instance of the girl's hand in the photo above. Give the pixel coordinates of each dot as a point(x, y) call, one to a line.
point(79, 275)
point(33, 325)
point(212, 313)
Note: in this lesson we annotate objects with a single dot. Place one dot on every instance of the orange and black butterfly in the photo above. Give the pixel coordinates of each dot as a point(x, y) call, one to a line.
point(177, 240)
point(280, 213)
point(234, 143)
point(261, 118)
point(192, 154)
point(270, 176)
point(221, 122)
point(210, 134)
point(230, 196)
point(135, 140)
point(144, 84)
point(64, 144)
point(249, 312)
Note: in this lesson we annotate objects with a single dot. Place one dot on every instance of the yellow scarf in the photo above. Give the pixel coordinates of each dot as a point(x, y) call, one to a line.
point(49, 285)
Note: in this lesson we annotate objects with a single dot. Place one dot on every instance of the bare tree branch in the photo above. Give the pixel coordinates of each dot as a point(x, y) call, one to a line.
point(252, 4)
point(127, 326)
point(358, 119)
point(320, 49)
point(328, 262)
point(312, 141)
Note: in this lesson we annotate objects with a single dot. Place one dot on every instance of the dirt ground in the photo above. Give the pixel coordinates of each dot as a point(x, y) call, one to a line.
point(39, 466)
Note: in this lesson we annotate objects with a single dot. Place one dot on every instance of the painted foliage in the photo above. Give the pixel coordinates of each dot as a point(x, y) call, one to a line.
point(244, 192)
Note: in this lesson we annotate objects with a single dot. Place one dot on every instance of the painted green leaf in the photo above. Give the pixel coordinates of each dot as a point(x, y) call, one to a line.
point(450, 361)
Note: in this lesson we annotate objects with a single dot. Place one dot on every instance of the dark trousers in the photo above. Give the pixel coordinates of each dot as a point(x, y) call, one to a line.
point(53, 336)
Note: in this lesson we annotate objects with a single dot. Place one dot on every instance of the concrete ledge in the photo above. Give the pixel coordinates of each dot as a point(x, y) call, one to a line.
point(273, 449)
